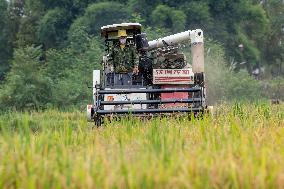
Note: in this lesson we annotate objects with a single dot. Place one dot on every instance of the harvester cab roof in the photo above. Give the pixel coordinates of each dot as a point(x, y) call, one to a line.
point(112, 31)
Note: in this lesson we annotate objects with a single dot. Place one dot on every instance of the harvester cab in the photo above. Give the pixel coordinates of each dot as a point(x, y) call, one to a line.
point(120, 59)
point(147, 78)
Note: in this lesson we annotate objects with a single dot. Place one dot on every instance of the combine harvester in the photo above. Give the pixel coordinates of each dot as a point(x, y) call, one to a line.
point(167, 83)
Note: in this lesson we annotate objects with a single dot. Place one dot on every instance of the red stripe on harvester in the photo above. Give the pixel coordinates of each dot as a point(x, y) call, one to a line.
point(173, 77)
point(174, 81)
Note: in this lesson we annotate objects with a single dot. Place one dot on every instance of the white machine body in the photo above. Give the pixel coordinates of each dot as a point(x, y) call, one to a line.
point(89, 112)
point(115, 97)
point(96, 82)
point(125, 97)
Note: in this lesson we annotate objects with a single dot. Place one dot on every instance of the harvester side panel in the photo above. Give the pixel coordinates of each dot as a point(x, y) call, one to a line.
point(124, 98)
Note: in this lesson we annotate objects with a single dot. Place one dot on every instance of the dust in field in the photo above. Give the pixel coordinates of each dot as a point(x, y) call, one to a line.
point(239, 147)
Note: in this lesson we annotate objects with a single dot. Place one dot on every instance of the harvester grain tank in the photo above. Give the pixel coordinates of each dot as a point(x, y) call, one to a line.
point(166, 83)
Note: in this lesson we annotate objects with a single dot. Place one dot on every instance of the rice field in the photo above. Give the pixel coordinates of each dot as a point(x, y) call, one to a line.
point(240, 146)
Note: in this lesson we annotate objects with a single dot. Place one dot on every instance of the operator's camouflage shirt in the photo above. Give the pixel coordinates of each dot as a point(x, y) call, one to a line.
point(125, 59)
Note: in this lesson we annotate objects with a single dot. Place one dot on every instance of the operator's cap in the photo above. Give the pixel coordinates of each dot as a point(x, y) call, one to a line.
point(122, 33)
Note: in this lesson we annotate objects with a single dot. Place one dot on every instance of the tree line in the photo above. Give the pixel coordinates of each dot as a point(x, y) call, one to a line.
point(49, 47)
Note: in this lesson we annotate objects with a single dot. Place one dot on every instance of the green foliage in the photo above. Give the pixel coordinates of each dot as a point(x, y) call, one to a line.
point(68, 31)
point(27, 31)
point(53, 28)
point(256, 22)
point(100, 14)
point(28, 26)
point(241, 87)
point(226, 85)
point(155, 33)
point(274, 41)
point(250, 54)
point(143, 7)
point(26, 86)
point(166, 17)
point(198, 15)
point(71, 76)
point(3, 39)
point(274, 89)
point(239, 22)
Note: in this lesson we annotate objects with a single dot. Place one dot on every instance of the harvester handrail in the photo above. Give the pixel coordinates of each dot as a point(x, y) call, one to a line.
point(149, 111)
point(191, 100)
point(195, 89)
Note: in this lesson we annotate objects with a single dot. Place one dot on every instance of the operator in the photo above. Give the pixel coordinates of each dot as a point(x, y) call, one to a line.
point(125, 60)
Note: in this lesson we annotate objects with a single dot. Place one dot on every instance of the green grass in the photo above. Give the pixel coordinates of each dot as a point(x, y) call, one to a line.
point(241, 146)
